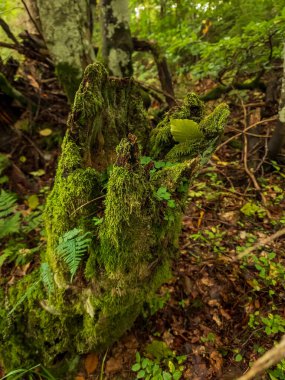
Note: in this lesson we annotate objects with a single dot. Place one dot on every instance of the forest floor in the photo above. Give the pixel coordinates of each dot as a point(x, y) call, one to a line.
point(220, 311)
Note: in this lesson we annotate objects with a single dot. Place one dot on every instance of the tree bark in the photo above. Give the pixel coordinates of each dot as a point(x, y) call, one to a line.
point(67, 31)
point(54, 318)
point(277, 140)
point(117, 46)
point(162, 68)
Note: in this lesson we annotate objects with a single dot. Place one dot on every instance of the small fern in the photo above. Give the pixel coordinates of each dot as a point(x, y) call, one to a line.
point(26, 295)
point(7, 203)
point(71, 248)
point(47, 277)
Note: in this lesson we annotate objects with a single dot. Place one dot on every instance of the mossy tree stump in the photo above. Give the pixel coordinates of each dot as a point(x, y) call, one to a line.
point(140, 203)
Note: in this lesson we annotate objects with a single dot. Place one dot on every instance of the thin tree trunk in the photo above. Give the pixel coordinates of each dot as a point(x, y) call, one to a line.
point(277, 140)
point(117, 46)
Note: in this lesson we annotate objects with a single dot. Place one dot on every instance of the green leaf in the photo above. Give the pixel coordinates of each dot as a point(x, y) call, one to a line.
point(33, 201)
point(38, 173)
point(166, 376)
point(136, 367)
point(71, 248)
point(47, 277)
point(10, 225)
point(7, 203)
point(141, 374)
point(238, 358)
point(177, 375)
point(171, 366)
point(138, 357)
point(184, 129)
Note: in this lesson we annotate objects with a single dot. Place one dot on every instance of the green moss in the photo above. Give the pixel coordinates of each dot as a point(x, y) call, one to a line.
point(70, 78)
point(131, 251)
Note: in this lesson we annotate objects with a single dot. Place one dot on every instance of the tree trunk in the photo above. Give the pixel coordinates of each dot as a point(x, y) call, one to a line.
point(117, 46)
point(67, 31)
point(162, 68)
point(129, 216)
point(277, 140)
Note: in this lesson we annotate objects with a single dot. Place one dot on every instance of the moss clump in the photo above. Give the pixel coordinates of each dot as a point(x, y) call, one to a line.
point(131, 251)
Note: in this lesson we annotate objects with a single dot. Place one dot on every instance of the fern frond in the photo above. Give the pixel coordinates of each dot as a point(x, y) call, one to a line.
point(186, 150)
point(10, 225)
point(47, 277)
point(27, 294)
point(7, 203)
point(71, 248)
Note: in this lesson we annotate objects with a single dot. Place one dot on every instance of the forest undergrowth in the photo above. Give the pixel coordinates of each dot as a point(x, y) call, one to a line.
point(224, 306)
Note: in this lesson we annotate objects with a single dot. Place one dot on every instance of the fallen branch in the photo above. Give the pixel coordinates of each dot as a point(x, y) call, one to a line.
point(262, 242)
point(270, 358)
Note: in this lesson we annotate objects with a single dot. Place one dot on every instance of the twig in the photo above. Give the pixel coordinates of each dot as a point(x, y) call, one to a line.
point(155, 89)
point(262, 242)
point(8, 32)
point(270, 358)
point(246, 168)
point(87, 203)
point(245, 130)
point(32, 19)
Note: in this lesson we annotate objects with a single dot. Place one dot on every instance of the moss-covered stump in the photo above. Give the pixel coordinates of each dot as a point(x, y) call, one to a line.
point(113, 220)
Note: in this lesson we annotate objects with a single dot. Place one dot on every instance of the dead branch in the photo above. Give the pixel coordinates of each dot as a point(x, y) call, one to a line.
point(262, 242)
point(270, 358)
point(162, 67)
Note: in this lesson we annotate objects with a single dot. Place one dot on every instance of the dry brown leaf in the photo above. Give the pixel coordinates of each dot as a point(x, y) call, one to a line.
point(217, 320)
point(216, 361)
point(114, 365)
point(207, 281)
point(91, 362)
point(225, 314)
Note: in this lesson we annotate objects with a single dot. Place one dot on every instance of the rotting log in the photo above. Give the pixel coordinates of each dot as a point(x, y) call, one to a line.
point(53, 322)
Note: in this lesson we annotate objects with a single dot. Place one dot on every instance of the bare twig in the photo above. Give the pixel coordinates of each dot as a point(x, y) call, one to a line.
point(8, 32)
point(270, 358)
point(87, 203)
point(262, 242)
point(32, 19)
point(245, 153)
point(245, 130)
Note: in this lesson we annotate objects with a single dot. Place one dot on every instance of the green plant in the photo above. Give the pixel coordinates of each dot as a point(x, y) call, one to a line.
point(47, 277)
point(278, 373)
point(253, 209)
point(164, 365)
point(155, 303)
point(9, 220)
point(71, 248)
point(33, 373)
point(163, 194)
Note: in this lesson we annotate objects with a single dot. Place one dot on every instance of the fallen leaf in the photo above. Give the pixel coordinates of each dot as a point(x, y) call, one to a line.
point(91, 362)
point(45, 132)
point(114, 365)
point(33, 201)
point(216, 361)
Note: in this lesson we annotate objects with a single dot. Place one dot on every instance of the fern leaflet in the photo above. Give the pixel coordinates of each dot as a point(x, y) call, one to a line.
point(71, 248)
point(7, 203)
point(47, 277)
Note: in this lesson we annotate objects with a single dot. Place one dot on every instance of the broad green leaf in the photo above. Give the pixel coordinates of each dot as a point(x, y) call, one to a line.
point(184, 129)
point(33, 201)
point(136, 367)
point(166, 376)
point(141, 374)
point(238, 358)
